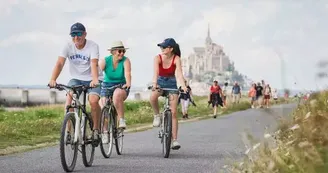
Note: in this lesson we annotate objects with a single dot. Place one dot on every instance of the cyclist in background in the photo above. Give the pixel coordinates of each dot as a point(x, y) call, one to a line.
point(82, 55)
point(167, 69)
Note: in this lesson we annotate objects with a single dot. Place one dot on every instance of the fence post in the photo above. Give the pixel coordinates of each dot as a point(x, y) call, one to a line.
point(53, 97)
point(137, 96)
point(24, 98)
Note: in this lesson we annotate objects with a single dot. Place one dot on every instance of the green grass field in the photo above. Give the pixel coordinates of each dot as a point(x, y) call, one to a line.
point(42, 124)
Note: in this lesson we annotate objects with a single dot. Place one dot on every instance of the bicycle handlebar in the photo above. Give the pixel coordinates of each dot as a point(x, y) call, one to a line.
point(164, 89)
point(61, 87)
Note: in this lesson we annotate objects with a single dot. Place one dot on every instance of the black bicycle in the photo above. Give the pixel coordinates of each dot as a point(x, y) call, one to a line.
point(109, 126)
point(165, 132)
point(76, 129)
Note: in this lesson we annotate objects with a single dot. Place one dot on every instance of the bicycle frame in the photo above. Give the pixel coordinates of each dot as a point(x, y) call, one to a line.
point(78, 106)
point(79, 124)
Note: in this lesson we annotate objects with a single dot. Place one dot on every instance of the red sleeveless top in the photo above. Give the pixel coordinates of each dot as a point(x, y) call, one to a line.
point(166, 72)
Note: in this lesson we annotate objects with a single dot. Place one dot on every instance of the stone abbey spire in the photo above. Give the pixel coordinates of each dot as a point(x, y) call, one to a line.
point(208, 38)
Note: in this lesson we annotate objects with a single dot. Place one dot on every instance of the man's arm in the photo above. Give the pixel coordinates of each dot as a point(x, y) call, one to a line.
point(94, 63)
point(58, 68)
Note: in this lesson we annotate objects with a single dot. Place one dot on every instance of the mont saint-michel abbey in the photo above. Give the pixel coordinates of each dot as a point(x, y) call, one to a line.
point(210, 58)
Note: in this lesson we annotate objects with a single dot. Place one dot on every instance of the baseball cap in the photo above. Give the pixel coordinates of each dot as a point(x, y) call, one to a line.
point(77, 27)
point(169, 42)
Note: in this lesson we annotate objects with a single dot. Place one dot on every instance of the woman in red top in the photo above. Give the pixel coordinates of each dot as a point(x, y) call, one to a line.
point(215, 96)
point(167, 67)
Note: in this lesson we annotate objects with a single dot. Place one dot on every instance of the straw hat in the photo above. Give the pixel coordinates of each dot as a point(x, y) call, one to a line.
point(117, 45)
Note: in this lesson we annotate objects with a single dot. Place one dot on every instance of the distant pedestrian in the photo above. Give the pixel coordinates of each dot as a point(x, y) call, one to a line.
point(275, 95)
point(259, 95)
point(215, 97)
point(225, 93)
point(267, 95)
point(184, 99)
point(252, 95)
point(236, 93)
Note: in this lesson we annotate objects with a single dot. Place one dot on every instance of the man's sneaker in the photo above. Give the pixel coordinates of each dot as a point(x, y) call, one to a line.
point(157, 121)
point(95, 135)
point(68, 138)
point(214, 116)
point(104, 137)
point(122, 124)
point(175, 145)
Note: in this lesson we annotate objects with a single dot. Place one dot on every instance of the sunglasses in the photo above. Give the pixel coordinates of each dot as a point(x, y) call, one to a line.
point(121, 51)
point(74, 34)
point(163, 47)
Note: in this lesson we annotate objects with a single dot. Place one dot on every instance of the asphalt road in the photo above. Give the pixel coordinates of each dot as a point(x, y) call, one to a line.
point(206, 146)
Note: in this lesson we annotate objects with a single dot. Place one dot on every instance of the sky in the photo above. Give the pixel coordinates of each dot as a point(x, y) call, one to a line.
point(257, 35)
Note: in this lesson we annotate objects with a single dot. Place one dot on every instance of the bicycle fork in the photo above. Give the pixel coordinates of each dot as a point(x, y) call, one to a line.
point(161, 132)
point(77, 134)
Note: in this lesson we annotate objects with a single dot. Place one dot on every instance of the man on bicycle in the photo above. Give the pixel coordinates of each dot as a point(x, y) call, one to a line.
point(83, 56)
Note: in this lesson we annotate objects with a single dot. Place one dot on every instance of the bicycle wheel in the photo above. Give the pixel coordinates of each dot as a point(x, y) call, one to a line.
point(67, 138)
point(106, 127)
point(88, 148)
point(167, 133)
point(118, 136)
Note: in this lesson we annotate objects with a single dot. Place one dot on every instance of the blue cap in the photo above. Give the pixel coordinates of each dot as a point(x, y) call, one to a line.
point(169, 42)
point(77, 27)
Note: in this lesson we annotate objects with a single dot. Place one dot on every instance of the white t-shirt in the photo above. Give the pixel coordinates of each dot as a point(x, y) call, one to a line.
point(80, 60)
point(224, 91)
point(275, 94)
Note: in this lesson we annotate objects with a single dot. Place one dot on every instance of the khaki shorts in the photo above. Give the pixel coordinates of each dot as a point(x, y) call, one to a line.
point(235, 98)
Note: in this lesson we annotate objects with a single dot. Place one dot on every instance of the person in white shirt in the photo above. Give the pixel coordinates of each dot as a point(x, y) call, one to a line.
point(82, 55)
point(275, 95)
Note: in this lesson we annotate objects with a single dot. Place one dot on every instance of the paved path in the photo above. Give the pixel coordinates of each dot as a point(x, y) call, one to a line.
point(207, 145)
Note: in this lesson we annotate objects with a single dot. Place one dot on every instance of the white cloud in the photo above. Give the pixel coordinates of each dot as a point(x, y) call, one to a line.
point(67, 6)
point(5, 7)
point(32, 37)
point(248, 31)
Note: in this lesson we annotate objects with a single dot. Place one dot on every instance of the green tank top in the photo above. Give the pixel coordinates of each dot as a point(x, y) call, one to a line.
point(112, 75)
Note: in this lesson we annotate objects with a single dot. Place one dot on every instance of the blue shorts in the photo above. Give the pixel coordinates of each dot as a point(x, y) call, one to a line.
point(93, 91)
point(109, 93)
point(168, 82)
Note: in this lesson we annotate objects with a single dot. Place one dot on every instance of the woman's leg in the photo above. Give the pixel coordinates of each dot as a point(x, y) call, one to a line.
point(119, 96)
point(154, 104)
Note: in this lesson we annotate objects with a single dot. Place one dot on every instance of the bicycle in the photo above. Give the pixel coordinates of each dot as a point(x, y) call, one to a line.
point(165, 132)
point(80, 120)
point(115, 134)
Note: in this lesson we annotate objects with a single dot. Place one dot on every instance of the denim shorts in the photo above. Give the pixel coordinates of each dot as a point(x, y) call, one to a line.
point(168, 82)
point(92, 91)
point(107, 92)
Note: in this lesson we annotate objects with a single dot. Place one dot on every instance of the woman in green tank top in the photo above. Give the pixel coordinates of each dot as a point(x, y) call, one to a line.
point(117, 70)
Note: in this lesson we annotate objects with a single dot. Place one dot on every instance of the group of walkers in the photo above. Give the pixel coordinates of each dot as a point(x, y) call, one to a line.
point(218, 96)
point(261, 94)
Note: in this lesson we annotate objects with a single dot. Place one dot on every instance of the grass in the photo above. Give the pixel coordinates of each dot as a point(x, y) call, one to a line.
point(42, 124)
point(300, 145)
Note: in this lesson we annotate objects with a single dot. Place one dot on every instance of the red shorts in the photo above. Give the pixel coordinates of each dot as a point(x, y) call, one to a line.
point(266, 96)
